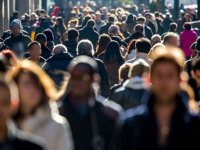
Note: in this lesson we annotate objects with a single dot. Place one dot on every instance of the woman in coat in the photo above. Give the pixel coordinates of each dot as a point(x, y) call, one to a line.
point(37, 113)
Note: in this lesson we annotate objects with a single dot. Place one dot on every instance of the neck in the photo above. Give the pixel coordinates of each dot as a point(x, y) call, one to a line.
point(3, 132)
point(35, 59)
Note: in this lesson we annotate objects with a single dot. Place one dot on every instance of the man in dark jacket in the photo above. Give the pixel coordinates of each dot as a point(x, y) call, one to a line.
point(57, 64)
point(195, 80)
point(104, 29)
point(138, 33)
point(72, 41)
point(17, 42)
point(42, 39)
point(85, 48)
point(93, 123)
point(165, 121)
point(147, 30)
point(12, 138)
point(50, 38)
point(89, 33)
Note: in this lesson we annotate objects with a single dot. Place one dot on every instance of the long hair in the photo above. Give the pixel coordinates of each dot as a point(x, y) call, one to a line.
point(103, 43)
point(112, 53)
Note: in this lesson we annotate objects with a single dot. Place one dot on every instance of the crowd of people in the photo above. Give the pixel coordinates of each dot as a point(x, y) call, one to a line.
point(94, 78)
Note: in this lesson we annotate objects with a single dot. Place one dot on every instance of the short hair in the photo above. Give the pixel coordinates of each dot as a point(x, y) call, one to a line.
point(168, 36)
point(173, 26)
point(113, 30)
point(196, 65)
point(141, 19)
point(139, 28)
point(85, 47)
point(143, 45)
point(187, 26)
point(59, 48)
point(123, 71)
point(41, 38)
point(111, 19)
point(73, 34)
point(90, 23)
point(30, 45)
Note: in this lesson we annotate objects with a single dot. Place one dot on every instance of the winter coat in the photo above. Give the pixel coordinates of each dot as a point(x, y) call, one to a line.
point(148, 32)
point(50, 126)
point(18, 44)
point(130, 94)
point(140, 130)
point(91, 122)
point(46, 52)
point(56, 66)
point(18, 140)
point(90, 34)
point(185, 42)
point(71, 46)
point(104, 29)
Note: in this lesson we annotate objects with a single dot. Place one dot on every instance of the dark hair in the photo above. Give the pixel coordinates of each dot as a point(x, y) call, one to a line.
point(112, 53)
point(131, 19)
point(172, 27)
point(196, 65)
point(73, 34)
point(111, 19)
point(131, 46)
point(143, 45)
point(187, 26)
point(90, 23)
point(85, 20)
point(165, 59)
point(41, 38)
point(103, 42)
point(139, 28)
point(30, 45)
point(43, 11)
point(49, 34)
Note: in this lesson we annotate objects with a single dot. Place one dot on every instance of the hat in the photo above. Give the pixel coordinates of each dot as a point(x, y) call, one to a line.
point(16, 23)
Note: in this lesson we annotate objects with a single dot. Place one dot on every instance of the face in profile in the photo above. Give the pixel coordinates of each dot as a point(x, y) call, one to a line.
point(165, 80)
point(35, 51)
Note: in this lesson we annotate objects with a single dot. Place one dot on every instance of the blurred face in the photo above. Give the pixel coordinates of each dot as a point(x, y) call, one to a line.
point(196, 76)
point(35, 51)
point(16, 31)
point(165, 81)
point(98, 17)
point(81, 81)
point(173, 41)
point(4, 106)
point(30, 95)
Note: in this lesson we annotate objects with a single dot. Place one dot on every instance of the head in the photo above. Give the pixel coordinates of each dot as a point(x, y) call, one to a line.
point(187, 26)
point(73, 34)
point(196, 72)
point(173, 27)
point(141, 20)
point(49, 34)
point(34, 50)
point(123, 72)
point(83, 70)
point(138, 28)
point(103, 42)
point(148, 17)
point(41, 38)
point(111, 19)
point(98, 16)
point(171, 39)
point(59, 21)
point(139, 68)
point(165, 74)
point(85, 47)
point(42, 13)
point(33, 16)
point(5, 103)
point(113, 30)
point(16, 27)
point(156, 38)
point(90, 23)
point(34, 85)
point(60, 48)
point(143, 45)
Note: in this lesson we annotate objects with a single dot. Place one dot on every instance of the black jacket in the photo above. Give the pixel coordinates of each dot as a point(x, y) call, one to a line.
point(140, 131)
point(104, 29)
point(56, 65)
point(90, 34)
point(148, 32)
point(18, 44)
point(71, 46)
point(135, 35)
point(16, 140)
point(97, 119)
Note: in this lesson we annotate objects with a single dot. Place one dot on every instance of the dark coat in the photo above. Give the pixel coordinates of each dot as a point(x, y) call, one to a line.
point(104, 29)
point(83, 123)
point(50, 45)
point(71, 46)
point(46, 52)
point(90, 34)
point(16, 140)
point(56, 65)
point(148, 32)
point(135, 35)
point(140, 131)
point(18, 44)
